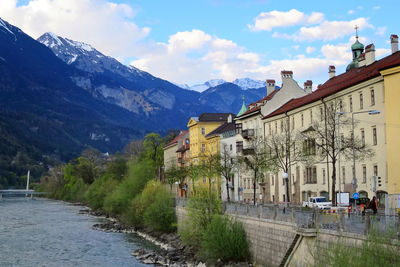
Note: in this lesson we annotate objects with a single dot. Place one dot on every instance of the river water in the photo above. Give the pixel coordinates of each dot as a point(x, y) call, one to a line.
point(41, 232)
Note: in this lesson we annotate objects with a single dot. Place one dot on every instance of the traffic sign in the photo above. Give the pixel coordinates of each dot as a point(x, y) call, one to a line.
point(356, 195)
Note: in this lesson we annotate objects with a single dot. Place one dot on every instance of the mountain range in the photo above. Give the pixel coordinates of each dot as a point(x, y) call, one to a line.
point(59, 96)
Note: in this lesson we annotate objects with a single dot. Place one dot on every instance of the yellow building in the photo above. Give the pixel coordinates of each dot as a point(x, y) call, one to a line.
point(199, 128)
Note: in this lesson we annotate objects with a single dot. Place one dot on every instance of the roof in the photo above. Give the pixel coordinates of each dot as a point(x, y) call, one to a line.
point(258, 103)
point(226, 127)
point(341, 82)
point(175, 140)
point(214, 117)
point(243, 109)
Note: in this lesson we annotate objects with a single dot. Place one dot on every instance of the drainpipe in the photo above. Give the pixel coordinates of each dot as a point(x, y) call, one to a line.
point(288, 171)
point(327, 159)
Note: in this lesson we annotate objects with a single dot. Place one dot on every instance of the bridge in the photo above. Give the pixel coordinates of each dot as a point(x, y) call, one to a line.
point(20, 192)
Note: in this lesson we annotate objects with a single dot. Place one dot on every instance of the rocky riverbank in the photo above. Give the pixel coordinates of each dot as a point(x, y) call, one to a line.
point(173, 252)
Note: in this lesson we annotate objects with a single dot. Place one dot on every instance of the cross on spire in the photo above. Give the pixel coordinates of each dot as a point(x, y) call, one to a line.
point(356, 27)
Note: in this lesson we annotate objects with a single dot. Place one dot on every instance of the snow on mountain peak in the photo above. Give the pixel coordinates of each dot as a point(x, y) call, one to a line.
point(3, 24)
point(215, 82)
point(247, 83)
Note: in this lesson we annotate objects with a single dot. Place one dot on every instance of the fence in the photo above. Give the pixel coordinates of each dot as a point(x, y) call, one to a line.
point(302, 218)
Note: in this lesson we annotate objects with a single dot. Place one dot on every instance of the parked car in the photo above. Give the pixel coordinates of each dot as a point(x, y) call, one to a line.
point(317, 202)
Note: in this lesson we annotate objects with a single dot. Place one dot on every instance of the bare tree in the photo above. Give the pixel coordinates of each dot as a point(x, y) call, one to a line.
point(226, 167)
point(284, 150)
point(324, 139)
point(255, 159)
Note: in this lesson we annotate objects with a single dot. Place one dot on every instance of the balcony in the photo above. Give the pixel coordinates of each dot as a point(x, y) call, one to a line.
point(248, 133)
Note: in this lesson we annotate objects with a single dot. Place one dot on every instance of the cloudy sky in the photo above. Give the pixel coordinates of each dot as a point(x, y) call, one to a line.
point(194, 41)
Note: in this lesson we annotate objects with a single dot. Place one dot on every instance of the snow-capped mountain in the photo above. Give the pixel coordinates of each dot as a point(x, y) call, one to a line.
point(114, 82)
point(247, 83)
point(243, 83)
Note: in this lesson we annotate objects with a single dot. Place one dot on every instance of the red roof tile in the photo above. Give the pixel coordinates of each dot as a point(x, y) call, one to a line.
point(340, 82)
point(175, 140)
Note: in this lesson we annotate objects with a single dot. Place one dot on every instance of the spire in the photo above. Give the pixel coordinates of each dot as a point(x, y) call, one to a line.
point(356, 27)
point(243, 109)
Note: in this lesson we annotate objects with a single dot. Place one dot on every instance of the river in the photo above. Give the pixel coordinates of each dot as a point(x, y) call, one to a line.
point(41, 232)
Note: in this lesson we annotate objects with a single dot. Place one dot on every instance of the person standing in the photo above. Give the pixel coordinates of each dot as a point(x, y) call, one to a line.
point(373, 205)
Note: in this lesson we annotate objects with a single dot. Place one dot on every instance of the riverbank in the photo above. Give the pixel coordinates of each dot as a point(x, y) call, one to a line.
point(172, 252)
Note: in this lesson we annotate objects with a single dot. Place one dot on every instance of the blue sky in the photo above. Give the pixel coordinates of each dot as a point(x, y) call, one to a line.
point(194, 41)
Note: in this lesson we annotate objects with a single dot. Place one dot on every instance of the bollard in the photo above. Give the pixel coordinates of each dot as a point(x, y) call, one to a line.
point(367, 223)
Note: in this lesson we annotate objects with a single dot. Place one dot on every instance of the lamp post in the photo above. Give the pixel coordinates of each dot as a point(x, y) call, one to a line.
point(370, 112)
point(285, 176)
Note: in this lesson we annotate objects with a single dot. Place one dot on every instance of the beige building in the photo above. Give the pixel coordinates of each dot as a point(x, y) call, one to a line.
point(359, 93)
point(249, 128)
point(176, 152)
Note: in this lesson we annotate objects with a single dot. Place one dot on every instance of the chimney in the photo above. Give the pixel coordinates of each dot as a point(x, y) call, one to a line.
point(369, 54)
point(230, 118)
point(308, 86)
point(394, 41)
point(270, 86)
point(286, 74)
point(361, 60)
point(331, 71)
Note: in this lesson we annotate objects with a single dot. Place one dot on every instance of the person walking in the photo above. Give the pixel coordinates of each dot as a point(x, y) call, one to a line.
point(373, 205)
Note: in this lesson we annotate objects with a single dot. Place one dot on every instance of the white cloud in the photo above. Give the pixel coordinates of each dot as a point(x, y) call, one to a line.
point(105, 25)
point(327, 30)
point(310, 49)
point(266, 21)
point(350, 12)
point(381, 31)
point(376, 8)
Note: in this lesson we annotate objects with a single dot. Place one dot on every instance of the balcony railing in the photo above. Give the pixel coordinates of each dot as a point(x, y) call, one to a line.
point(248, 151)
point(248, 133)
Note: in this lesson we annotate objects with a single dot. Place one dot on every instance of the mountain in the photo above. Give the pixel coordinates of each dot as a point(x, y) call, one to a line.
point(45, 116)
point(247, 83)
point(137, 91)
point(228, 97)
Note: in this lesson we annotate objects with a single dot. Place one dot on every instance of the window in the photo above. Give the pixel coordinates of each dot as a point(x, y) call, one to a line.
point(343, 175)
point(372, 97)
point(375, 170)
point(269, 128)
point(362, 137)
point(281, 126)
point(311, 116)
point(340, 105)
point(203, 131)
point(374, 136)
point(309, 147)
point(293, 122)
point(364, 175)
point(311, 175)
point(321, 113)
point(230, 147)
point(203, 148)
point(351, 103)
point(239, 146)
point(302, 120)
point(361, 101)
point(239, 127)
point(272, 179)
point(276, 126)
point(323, 176)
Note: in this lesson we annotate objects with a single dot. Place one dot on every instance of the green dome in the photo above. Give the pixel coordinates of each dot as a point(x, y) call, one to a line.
point(357, 46)
point(352, 65)
point(242, 110)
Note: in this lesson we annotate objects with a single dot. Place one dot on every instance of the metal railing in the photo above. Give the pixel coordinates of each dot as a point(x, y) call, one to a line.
point(305, 218)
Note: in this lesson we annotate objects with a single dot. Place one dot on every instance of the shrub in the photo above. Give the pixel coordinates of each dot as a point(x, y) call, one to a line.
point(99, 190)
point(378, 250)
point(202, 206)
point(224, 239)
point(139, 173)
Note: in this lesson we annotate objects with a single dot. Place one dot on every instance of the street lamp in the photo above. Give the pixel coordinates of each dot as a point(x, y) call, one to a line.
point(285, 176)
